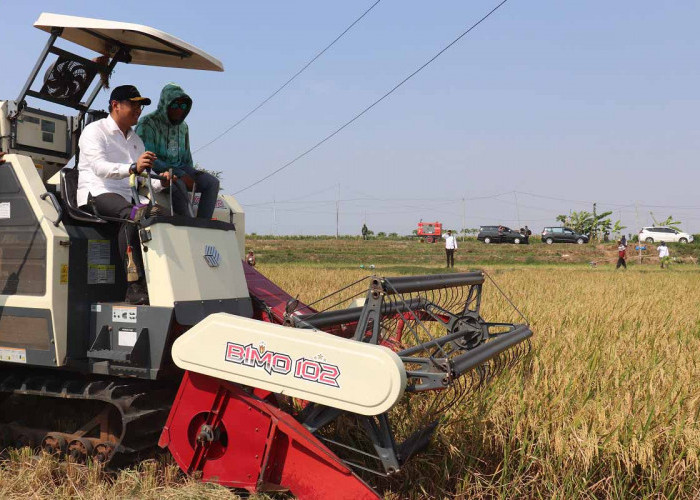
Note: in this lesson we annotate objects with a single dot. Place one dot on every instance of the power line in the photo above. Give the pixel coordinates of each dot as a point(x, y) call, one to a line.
point(356, 117)
point(241, 120)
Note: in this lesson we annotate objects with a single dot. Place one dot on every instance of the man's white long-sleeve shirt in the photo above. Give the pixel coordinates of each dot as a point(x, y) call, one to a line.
point(450, 242)
point(105, 158)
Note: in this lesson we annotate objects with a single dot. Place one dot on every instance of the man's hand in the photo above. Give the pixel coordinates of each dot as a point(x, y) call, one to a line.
point(165, 179)
point(145, 161)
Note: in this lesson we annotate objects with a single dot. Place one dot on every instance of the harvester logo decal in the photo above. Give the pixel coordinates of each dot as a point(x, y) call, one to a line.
point(311, 370)
point(211, 255)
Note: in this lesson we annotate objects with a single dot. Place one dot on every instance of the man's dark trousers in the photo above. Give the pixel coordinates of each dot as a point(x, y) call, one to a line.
point(114, 205)
point(450, 256)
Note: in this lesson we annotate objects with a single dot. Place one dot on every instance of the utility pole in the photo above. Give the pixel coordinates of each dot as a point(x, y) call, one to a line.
point(636, 220)
point(337, 214)
point(274, 215)
point(594, 229)
point(464, 217)
point(517, 209)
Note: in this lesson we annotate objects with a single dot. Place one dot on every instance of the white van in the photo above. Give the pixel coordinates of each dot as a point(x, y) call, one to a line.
point(667, 234)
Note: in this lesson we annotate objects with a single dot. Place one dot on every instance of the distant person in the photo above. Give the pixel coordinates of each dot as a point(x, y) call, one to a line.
point(623, 240)
point(664, 256)
point(621, 255)
point(527, 231)
point(450, 247)
point(365, 231)
point(250, 259)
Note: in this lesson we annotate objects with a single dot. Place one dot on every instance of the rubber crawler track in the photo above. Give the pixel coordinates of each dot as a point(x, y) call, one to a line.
point(142, 405)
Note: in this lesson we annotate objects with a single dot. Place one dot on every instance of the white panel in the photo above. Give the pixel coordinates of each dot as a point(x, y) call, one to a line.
point(177, 267)
point(56, 296)
point(80, 30)
point(312, 365)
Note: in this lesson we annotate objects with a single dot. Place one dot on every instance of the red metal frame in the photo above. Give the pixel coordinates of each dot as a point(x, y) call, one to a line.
point(257, 446)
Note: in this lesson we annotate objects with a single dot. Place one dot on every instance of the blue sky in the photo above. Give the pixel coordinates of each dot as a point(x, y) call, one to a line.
point(581, 101)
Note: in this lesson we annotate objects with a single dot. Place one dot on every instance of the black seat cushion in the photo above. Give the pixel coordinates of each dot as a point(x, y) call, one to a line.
point(69, 194)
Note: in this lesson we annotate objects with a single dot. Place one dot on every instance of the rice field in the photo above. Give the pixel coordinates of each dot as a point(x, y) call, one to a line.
point(605, 406)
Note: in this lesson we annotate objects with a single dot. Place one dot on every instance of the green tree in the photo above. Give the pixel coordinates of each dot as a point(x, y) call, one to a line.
point(618, 227)
point(668, 222)
point(585, 222)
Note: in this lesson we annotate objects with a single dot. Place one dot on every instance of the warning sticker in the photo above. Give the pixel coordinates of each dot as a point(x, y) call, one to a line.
point(5, 210)
point(122, 314)
point(98, 252)
point(13, 355)
point(127, 337)
point(100, 274)
point(64, 274)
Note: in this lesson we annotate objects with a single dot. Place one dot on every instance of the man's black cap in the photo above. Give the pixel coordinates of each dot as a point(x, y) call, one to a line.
point(128, 93)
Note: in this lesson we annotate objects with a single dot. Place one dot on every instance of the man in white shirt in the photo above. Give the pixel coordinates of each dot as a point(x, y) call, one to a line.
point(110, 151)
point(450, 247)
point(663, 254)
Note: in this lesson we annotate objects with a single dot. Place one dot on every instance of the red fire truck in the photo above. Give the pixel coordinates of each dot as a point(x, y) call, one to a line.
point(429, 231)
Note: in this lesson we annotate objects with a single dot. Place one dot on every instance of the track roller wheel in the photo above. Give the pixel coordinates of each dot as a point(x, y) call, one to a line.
point(80, 449)
point(103, 451)
point(54, 444)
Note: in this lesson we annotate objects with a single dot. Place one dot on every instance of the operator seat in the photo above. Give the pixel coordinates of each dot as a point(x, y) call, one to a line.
point(69, 189)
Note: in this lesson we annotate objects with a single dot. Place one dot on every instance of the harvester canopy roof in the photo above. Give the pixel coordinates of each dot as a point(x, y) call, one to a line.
point(147, 45)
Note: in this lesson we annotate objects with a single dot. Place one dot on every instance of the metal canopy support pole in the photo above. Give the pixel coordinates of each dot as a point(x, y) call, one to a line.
point(55, 33)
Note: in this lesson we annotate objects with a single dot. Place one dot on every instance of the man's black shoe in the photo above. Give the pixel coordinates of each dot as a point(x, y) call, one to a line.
point(136, 294)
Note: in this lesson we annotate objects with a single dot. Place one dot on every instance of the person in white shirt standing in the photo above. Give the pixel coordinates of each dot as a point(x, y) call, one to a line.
point(450, 247)
point(110, 151)
point(663, 254)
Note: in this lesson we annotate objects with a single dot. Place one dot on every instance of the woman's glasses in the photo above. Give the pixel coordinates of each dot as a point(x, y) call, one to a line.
point(179, 105)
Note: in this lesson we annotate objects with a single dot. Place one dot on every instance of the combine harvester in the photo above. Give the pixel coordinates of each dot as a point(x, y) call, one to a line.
point(243, 384)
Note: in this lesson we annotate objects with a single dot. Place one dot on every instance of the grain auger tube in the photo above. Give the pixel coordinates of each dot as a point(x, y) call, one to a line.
point(307, 404)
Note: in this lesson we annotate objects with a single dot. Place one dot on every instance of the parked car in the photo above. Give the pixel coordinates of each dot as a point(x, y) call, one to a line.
point(501, 234)
point(667, 234)
point(562, 235)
